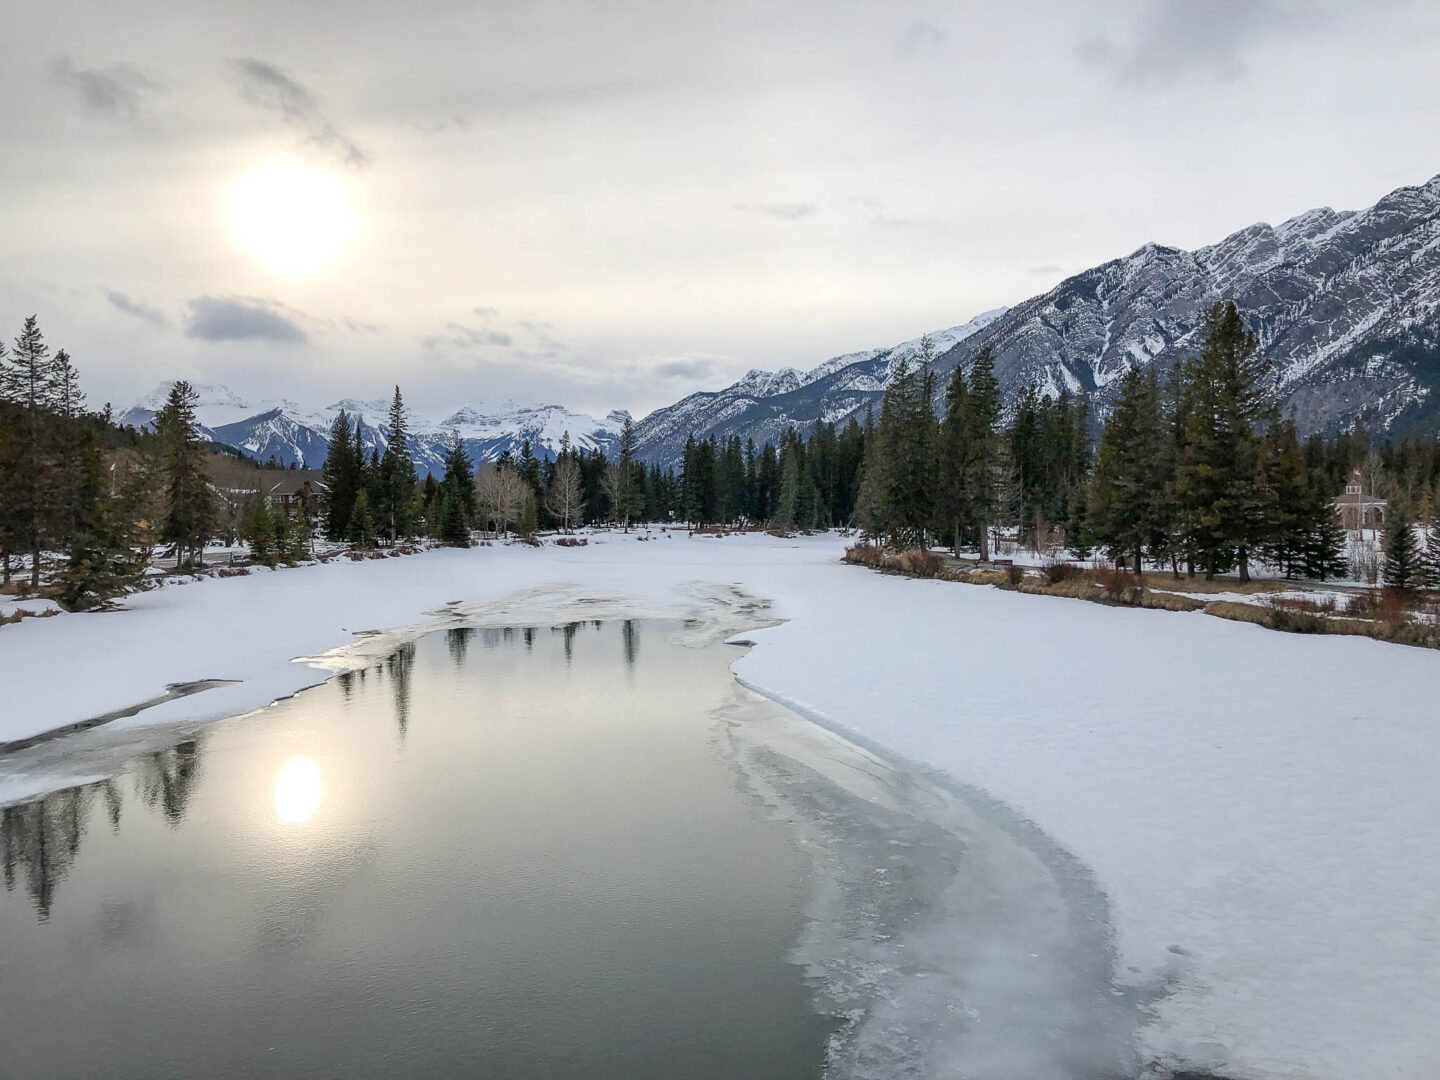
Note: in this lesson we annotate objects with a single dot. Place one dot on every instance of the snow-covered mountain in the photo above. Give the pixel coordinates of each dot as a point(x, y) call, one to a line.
point(1346, 305)
point(291, 433)
point(764, 404)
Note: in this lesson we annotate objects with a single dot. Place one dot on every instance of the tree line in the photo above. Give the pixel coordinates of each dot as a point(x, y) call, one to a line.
point(1196, 473)
point(73, 483)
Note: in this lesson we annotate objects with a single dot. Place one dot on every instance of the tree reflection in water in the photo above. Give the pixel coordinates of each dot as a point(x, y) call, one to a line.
point(630, 633)
point(40, 839)
point(458, 640)
point(398, 666)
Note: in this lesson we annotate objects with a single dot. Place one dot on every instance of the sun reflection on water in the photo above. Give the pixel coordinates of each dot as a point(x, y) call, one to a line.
point(297, 791)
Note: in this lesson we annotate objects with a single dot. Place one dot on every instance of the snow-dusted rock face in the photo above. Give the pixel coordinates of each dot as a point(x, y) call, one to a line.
point(764, 404)
point(291, 433)
point(1346, 304)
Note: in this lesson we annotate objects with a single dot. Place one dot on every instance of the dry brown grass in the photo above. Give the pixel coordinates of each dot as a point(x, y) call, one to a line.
point(917, 563)
point(1238, 612)
point(1402, 618)
point(1164, 601)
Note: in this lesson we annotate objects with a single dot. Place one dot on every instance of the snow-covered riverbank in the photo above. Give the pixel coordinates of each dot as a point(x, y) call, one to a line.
point(1259, 808)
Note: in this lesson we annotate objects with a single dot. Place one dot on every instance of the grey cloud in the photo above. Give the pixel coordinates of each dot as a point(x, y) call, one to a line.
point(460, 336)
point(784, 211)
point(918, 36)
point(690, 368)
point(484, 312)
point(1175, 38)
point(139, 310)
point(267, 86)
point(1045, 270)
point(239, 318)
point(113, 93)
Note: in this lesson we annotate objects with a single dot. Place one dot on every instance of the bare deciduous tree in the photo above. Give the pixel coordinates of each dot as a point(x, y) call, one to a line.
point(565, 497)
point(501, 490)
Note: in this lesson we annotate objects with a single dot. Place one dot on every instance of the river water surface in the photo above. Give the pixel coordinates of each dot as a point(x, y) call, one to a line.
point(504, 853)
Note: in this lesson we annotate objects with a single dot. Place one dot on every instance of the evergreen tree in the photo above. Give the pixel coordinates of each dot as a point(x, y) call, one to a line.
point(1218, 470)
point(1125, 506)
point(625, 493)
point(953, 506)
point(1430, 555)
point(454, 529)
point(459, 483)
point(396, 488)
point(1287, 504)
point(1403, 566)
point(362, 522)
point(529, 523)
point(191, 509)
point(27, 378)
point(983, 445)
point(1325, 541)
point(109, 552)
point(260, 531)
point(342, 477)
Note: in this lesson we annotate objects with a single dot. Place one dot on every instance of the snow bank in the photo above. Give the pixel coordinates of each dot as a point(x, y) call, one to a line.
point(1259, 808)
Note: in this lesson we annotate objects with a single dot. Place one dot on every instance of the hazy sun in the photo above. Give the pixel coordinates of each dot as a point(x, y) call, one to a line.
point(293, 218)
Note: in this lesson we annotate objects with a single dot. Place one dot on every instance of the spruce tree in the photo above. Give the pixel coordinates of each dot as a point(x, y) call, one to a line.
point(362, 522)
point(983, 444)
point(1430, 561)
point(1125, 505)
point(1287, 503)
point(191, 509)
point(27, 378)
point(260, 530)
point(1218, 470)
point(953, 504)
point(459, 482)
point(1403, 569)
point(1325, 541)
point(342, 475)
point(396, 486)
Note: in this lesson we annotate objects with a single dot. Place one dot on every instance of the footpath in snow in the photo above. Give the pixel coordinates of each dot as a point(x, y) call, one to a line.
point(1259, 809)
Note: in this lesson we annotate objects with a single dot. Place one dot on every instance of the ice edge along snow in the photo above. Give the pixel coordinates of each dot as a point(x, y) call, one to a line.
point(948, 935)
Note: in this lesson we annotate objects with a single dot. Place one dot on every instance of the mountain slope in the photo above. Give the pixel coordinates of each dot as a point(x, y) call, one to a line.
point(1346, 305)
point(764, 404)
point(292, 434)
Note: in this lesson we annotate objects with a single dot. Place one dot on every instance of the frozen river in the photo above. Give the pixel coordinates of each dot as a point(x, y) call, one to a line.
point(495, 853)
point(580, 850)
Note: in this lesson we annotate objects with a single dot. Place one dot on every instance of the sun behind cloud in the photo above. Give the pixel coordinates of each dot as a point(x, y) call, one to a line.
point(295, 219)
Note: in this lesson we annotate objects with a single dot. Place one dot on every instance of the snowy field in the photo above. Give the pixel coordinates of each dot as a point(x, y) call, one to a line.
point(1260, 809)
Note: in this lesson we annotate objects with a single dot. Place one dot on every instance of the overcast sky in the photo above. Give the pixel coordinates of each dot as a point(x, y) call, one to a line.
point(610, 205)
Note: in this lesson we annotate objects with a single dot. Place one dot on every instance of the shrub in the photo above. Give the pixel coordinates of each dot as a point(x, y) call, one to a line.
point(1120, 586)
point(1014, 574)
point(1293, 618)
point(918, 562)
point(1059, 571)
point(865, 554)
